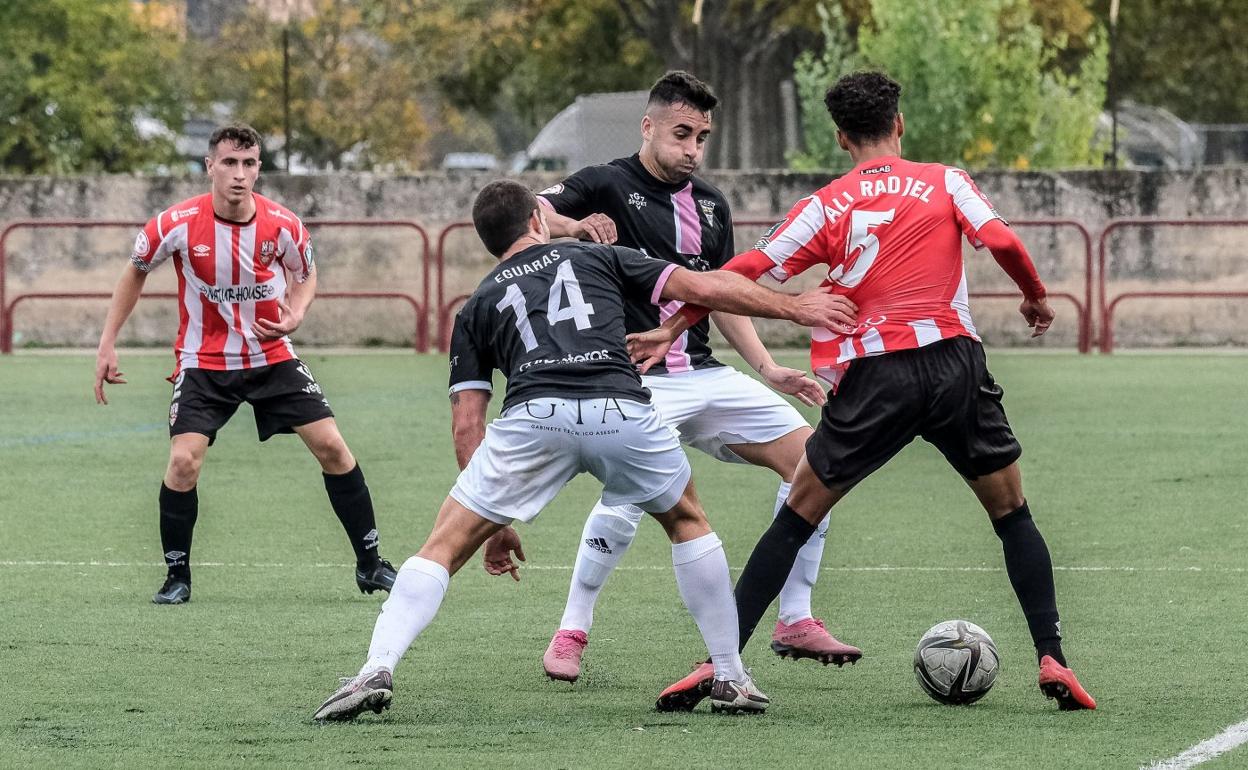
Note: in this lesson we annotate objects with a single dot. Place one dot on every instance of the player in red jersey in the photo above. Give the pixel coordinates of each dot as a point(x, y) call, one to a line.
point(232, 249)
point(889, 233)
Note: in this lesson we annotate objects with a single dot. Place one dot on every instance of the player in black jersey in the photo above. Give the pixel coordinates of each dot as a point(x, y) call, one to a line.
point(550, 317)
point(655, 203)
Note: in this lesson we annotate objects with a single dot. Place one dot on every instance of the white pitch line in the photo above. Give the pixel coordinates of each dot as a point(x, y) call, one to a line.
point(627, 567)
point(1205, 750)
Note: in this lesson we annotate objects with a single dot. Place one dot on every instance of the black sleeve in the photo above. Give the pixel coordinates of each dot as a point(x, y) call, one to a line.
point(577, 196)
point(472, 362)
point(639, 273)
point(728, 249)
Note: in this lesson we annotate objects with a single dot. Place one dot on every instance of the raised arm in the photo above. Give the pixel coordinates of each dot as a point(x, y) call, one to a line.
point(125, 295)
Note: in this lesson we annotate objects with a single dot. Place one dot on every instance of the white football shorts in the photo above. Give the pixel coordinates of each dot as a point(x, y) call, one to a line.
point(713, 408)
point(536, 447)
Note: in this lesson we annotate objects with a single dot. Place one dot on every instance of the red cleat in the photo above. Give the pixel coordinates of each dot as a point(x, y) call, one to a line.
point(1059, 682)
point(688, 692)
point(809, 639)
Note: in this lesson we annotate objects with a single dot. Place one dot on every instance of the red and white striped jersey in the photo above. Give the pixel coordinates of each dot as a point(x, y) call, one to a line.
point(229, 275)
point(890, 233)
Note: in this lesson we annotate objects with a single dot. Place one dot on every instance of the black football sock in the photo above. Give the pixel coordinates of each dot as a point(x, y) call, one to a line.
point(178, 512)
point(1030, 569)
point(768, 567)
point(349, 496)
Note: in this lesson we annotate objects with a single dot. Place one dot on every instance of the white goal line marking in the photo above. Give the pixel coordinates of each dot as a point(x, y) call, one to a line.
point(1205, 750)
point(626, 567)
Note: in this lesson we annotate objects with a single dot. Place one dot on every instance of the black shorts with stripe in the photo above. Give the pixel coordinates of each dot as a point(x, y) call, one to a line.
point(942, 392)
point(283, 396)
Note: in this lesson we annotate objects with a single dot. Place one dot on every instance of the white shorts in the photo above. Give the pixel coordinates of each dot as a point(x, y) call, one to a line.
point(535, 448)
point(712, 408)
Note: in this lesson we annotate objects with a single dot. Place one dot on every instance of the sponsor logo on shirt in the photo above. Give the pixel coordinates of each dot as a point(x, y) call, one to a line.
point(885, 169)
point(708, 211)
point(766, 239)
point(636, 201)
point(277, 213)
point(202, 250)
point(570, 358)
point(230, 294)
point(184, 213)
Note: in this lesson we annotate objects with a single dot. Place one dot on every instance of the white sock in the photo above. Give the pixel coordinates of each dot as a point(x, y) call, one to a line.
point(706, 588)
point(795, 596)
point(414, 600)
point(608, 532)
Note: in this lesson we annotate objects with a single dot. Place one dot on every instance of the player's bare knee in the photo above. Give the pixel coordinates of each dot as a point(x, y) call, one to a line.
point(332, 453)
point(184, 465)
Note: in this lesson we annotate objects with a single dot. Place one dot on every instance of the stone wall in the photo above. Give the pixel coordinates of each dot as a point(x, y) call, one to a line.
point(358, 259)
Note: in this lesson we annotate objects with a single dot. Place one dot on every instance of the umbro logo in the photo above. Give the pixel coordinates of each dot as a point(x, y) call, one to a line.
point(598, 544)
point(175, 558)
point(371, 539)
point(201, 250)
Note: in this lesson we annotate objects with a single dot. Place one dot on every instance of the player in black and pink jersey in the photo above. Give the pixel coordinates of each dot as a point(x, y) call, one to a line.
point(233, 249)
point(654, 202)
point(889, 232)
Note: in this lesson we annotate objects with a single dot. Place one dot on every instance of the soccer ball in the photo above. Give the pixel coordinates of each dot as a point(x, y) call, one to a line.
point(956, 662)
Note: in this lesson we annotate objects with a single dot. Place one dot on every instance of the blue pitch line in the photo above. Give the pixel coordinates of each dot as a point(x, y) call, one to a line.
point(78, 435)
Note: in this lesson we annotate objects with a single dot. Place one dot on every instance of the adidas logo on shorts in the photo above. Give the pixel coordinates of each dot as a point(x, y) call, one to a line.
point(598, 544)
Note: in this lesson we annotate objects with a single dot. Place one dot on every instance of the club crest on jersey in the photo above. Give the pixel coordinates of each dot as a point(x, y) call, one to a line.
point(766, 239)
point(708, 211)
point(268, 250)
point(636, 201)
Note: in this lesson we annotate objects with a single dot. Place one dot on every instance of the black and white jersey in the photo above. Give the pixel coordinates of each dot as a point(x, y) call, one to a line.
point(551, 319)
point(687, 224)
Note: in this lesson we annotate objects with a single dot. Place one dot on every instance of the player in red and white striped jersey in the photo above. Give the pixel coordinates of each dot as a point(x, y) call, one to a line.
point(232, 249)
point(889, 233)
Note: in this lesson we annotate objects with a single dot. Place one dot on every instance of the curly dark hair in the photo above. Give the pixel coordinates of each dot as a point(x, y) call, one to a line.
point(240, 135)
point(863, 105)
point(678, 87)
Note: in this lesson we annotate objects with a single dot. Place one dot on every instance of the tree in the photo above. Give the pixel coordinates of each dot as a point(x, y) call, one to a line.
point(745, 49)
point(76, 78)
point(1185, 55)
point(982, 86)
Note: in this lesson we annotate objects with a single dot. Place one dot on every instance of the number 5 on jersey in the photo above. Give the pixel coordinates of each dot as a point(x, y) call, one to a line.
point(861, 248)
point(577, 309)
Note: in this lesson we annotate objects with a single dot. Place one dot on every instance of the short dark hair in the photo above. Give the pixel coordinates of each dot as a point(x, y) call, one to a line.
point(240, 135)
point(863, 105)
point(679, 86)
point(501, 214)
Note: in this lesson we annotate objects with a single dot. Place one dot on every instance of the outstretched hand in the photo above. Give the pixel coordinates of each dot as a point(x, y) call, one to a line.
point(820, 308)
point(795, 383)
point(498, 551)
point(287, 322)
point(1038, 314)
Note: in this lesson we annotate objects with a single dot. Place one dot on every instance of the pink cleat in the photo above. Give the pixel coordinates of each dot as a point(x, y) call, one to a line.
point(809, 639)
point(563, 657)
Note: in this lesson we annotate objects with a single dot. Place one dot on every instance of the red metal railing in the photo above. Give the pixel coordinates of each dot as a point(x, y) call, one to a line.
point(421, 307)
point(1109, 305)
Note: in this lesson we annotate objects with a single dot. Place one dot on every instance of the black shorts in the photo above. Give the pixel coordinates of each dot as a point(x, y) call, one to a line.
point(283, 397)
point(942, 392)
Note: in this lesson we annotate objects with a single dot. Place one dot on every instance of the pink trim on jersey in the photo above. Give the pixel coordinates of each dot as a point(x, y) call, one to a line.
point(543, 202)
point(656, 295)
point(688, 227)
point(676, 360)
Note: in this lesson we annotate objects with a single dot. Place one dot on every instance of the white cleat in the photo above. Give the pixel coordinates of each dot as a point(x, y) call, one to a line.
point(739, 697)
point(366, 692)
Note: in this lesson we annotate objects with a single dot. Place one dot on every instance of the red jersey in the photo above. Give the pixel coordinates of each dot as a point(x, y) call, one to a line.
point(890, 233)
point(229, 274)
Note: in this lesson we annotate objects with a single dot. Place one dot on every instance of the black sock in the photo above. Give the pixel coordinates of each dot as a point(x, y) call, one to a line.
point(348, 494)
point(178, 512)
point(768, 568)
point(1030, 569)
